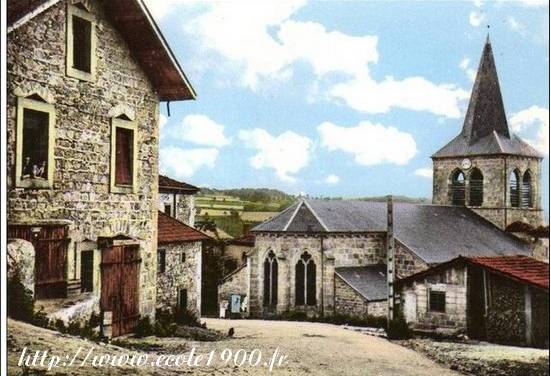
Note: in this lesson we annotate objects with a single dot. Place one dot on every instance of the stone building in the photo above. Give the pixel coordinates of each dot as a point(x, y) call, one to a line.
point(83, 101)
point(498, 299)
point(325, 257)
point(177, 199)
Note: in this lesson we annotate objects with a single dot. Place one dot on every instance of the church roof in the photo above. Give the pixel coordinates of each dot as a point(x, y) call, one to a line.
point(368, 281)
point(485, 129)
point(434, 233)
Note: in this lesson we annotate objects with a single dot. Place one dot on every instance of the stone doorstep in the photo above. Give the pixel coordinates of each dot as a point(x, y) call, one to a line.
point(377, 332)
point(69, 310)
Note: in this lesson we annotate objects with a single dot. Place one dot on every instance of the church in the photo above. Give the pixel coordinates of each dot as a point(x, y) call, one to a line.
point(328, 257)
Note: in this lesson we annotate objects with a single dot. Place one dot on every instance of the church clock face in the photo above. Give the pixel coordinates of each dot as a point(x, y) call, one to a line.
point(466, 164)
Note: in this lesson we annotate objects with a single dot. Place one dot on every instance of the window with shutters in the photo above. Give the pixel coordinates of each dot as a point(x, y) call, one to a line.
point(514, 188)
point(476, 188)
point(526, 190)
point(457, 189)
point(161, 261)
point(270, 280)
point(123, 155)
point(34, 143)
point(305, 281)
point(81, 42)
point(437, 301)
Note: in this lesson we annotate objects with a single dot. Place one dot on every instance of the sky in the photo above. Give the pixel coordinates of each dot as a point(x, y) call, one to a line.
point(342, 98)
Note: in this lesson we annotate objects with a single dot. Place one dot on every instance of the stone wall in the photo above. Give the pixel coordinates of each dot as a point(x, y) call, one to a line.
point(185, 206)
point(406, 262)
point(415, 301)
point(20, 261)
point(180, 275)
point(235, 283)
point(350, 302)
point(496, 206)
point(81, 190)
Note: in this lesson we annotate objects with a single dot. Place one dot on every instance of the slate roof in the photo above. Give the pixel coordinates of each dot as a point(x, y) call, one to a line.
point(170, 230)
point(434, 233)
point(485, 130)
point(369, 281)
point(245, 240)
point(144, 38)
point(522, 269)
point(167, 184)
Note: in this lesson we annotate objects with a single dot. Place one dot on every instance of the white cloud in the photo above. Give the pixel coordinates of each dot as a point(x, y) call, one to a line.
point(162, 121)
point(424, 172)
point(202, 130)
point(332, 179)
point(535, 3)
point(180, 163)
point(267, 47)
point(465, 65)
point(413, 93)
point(370, 144)
point(477, 3)
point(476, 18)
point(533, 125)
point(287, 153)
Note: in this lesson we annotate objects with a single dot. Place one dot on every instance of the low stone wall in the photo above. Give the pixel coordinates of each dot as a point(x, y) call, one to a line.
point(349, 302)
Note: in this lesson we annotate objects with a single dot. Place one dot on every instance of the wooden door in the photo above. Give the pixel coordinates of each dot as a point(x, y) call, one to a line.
point(50, 244)
point(87, 271)
point(120, 268)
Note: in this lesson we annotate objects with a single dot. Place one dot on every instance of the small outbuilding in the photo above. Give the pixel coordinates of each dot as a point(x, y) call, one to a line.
point(498, 299)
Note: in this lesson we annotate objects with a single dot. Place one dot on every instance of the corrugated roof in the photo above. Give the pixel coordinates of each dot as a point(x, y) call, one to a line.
point(170, 230)
point(140, 31)
point(167, 184)
point(523, 269)
point(369, 281)
point(434, 233)
point(485, 129)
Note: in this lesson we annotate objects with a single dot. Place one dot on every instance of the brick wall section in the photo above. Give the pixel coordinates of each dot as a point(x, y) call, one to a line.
point(350, 302)
point(36, 61)
point(180, 275)
point(496, 171)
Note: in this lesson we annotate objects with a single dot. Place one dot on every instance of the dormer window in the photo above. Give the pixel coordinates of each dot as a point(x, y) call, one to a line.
point(81, 43)
point(123, 155)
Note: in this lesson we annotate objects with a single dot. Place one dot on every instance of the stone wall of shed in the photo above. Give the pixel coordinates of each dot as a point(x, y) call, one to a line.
point(80, 193)
point(496, 206)
point(180, 275)
point(349, 302)
point(236, 283)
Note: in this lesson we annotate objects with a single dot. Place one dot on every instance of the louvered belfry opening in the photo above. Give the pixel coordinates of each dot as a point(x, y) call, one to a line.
point(514, 189)
point(458, 188)
point(270, 280)
point(476, 188)
point(305, 281)
point(526, 190)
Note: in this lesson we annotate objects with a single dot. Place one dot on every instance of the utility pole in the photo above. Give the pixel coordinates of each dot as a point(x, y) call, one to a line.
point(390, 256)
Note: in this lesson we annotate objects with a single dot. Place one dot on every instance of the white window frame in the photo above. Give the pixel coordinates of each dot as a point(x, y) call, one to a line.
point(31, 104)
point(131, 125)
point(73, 10)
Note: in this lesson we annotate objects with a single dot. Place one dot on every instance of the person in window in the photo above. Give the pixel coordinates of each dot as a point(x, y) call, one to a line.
point(27, 168)
point(38, 171)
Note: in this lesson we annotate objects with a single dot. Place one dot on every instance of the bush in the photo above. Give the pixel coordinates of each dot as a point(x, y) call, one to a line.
point(186, 317)
point(40, 319)
point(398, 328)
point(20, 300)
point(143, 327)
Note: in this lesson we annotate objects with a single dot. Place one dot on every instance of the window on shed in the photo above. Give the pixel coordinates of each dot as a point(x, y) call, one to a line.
point(305, 281)
point(161, 261)
point(437, 301)
point(458, 188)
point(514, 188)
point(476, 188)
point(526, 191)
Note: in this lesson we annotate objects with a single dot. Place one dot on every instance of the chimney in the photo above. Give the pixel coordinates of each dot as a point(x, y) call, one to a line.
point(390, 256)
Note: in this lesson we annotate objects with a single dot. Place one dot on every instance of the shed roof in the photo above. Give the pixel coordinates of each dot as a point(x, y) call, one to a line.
point(138, 28)
point(369, 281)
point(434, 233)
point(167, 184)
point(171, 230)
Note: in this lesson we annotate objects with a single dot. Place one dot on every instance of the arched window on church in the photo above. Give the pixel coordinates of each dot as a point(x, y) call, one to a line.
point(526, 190)
point(514, 190)
point(476, 188)
point(305, 281)
point(458, 188)
point(270, 280)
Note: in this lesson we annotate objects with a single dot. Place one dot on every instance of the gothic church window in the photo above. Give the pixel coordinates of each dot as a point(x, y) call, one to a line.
point(458, 188)
point(514, 189)
point(305, 281)
point(526, 190)
point(270, 280)
point(476, 188)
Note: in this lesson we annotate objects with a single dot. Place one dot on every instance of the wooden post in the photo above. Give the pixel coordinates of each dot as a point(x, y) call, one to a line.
point(390, 257)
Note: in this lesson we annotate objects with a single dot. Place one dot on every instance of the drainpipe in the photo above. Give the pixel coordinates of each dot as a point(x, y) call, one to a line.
point(322, 274)
point(390, 256)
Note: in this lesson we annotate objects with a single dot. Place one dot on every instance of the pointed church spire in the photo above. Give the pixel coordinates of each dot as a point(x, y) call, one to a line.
point(486, 113)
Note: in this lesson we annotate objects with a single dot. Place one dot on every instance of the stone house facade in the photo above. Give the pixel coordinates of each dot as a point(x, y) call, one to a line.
point(82, 137)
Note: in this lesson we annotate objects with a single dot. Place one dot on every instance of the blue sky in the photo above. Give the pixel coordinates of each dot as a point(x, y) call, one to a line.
point(342, 98)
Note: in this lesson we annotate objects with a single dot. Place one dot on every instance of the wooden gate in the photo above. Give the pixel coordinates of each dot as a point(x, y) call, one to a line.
point(120, 269)
point(50, 245)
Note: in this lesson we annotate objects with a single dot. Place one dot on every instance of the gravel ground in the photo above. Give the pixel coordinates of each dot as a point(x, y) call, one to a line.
point(310, 349)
